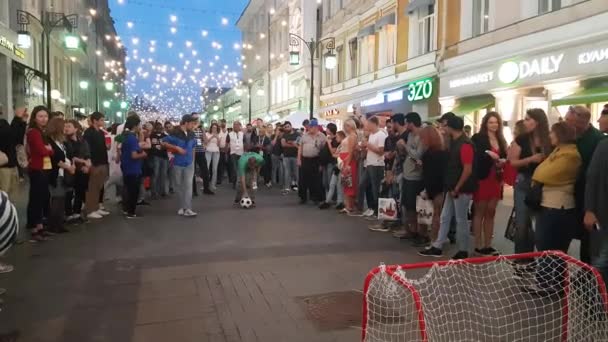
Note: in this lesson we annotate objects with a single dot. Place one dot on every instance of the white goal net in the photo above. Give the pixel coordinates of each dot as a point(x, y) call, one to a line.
point(546, 296)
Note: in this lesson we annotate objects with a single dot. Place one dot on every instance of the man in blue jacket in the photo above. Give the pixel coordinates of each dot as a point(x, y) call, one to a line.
point(181, 143)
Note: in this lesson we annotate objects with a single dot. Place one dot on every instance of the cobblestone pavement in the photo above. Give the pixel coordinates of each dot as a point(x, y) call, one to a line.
point(227, 275)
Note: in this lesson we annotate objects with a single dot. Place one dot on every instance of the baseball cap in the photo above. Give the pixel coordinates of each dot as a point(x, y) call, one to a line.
point(446, 117)
point(313, 123)
point(188, 118)
point(455, 122)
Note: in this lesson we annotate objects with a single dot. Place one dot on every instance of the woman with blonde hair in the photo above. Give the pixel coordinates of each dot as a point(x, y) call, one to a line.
point(349, 175)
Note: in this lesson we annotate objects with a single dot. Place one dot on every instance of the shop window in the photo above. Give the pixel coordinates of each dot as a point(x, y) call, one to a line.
point(546, 6)
point(481, 16)
point(426, 30)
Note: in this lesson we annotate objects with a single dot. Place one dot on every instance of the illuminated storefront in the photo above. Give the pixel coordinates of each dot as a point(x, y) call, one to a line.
point(551, 80)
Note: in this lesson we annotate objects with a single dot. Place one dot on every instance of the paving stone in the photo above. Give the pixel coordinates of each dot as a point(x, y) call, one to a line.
point(190, 330)
point(162, 310)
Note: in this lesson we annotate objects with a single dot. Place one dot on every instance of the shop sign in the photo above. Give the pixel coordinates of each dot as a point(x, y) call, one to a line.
point(394, 96)
point(4, 42)
point(473, 79)
point(331, 113)
point(373, 101)
point(510, 72)
point(593, 56)
point(420, 90)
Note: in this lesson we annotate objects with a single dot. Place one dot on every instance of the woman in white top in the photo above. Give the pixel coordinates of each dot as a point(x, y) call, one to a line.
point(212, 153)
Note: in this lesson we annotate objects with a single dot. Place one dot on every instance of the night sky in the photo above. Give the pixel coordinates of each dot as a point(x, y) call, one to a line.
point(156, 71)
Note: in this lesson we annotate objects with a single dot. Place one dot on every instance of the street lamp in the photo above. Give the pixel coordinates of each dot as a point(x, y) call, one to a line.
point(49, 22)
point(312, 45)
point(84, 85)
point(124, 105)
point(106, 104)
point(109, 86)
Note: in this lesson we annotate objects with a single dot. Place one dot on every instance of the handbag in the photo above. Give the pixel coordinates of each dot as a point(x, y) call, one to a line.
point(511, 230)
point(534, 197)
point(387, 209)
point(424, 209)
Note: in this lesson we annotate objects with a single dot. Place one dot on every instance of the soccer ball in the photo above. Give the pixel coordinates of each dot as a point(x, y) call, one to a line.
point(246, 202)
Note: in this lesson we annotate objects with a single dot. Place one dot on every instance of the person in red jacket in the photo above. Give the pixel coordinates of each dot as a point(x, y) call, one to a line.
point(39, 152)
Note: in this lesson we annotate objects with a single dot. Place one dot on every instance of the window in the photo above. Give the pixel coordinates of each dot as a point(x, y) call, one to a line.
point(353, 55)
point(367, 52)
point(546, 6)
point(481, 17)
point(340, 64)
point(388, 46)
point(426, 30)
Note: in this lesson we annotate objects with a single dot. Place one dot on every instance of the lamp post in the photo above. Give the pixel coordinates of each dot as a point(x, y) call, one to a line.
point(260, 92)
point(313, 46)
point(49, 22)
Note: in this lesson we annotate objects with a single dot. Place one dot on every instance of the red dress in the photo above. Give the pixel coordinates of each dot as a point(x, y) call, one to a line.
point(351, 191)
point(489, 188)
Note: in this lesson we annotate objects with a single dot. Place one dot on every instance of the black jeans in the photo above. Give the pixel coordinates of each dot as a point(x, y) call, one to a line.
point(222, 167)
point(267, 168)
point(311, 180)
point(75, 199)
point(201, 162)
point(131, 184)
point(554, 231)
point(56, 213)
point(39, 198)
point(232, 168)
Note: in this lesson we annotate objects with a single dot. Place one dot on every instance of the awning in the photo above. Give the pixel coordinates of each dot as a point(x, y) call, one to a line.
point(417, 4)
point(472, 104)
point(366, 31)
point(585, 96)
point(386, 20)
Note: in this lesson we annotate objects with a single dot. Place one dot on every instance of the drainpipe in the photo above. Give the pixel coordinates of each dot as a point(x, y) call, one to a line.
point(441, 54)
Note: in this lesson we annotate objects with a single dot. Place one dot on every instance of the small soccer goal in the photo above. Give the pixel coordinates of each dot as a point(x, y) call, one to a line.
point(545, 296)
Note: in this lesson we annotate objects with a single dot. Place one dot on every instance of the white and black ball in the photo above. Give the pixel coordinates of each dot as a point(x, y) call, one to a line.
point(246, 203)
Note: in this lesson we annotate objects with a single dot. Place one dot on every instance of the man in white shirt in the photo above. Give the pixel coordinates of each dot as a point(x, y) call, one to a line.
point(224, 152)
point(374, 169)
point(237, 148)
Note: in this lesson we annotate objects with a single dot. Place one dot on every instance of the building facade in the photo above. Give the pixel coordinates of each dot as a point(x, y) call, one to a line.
point(278, 87)
point(516, 55)
point(387, 53)
point(78, 76)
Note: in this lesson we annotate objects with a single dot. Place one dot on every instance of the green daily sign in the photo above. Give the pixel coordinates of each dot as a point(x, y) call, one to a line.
point(420, 90)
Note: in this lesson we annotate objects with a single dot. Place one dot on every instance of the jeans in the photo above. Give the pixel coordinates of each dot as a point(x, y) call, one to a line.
point(39, 197)
point(335, 187)
point(267, 168)
point(370, 181)
point(234, 165)
point(290, 165)
point(132, 185)
point(458, 207)
point(328, 170)
point(182, 180)
point(201, 161)
point(222, 167)
point(278, 170)
point(160, 176)
point(554, 231)
point(599, 251)
point(524, 235)
point(213, 159)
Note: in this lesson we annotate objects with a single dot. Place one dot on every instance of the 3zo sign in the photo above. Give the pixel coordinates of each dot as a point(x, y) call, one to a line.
point(420, 90)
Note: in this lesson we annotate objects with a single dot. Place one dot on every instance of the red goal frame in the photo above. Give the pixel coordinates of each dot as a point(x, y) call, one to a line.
point(391, 271)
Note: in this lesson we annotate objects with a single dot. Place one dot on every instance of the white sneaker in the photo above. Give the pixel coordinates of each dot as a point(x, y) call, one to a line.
point(254, 185)
point(180, 212)
point(5, 268)
point(189, 213)
point(103, 212)
point(368, 213)
point(73, 217)
point(94, 215)
point(101, 207)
